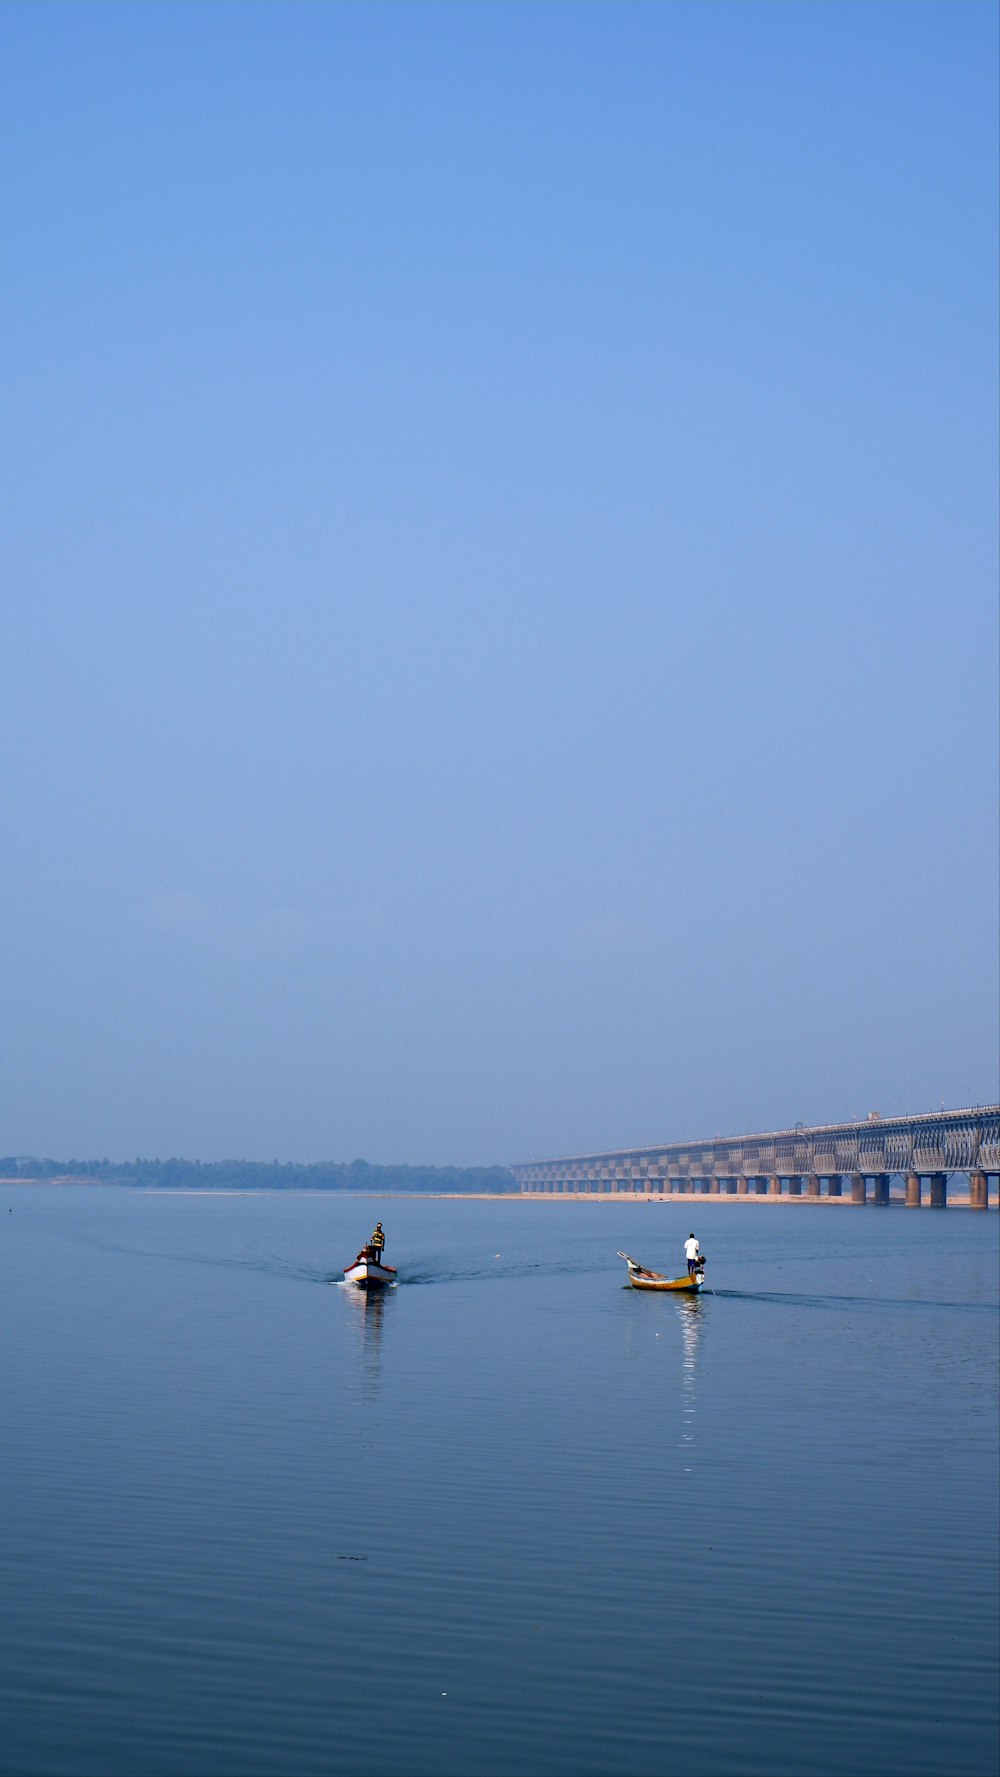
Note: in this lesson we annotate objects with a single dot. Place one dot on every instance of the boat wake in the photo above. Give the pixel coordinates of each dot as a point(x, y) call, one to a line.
point(501, 1269)
point(265, 1264)
point(794, 1299)
point(348, 1284)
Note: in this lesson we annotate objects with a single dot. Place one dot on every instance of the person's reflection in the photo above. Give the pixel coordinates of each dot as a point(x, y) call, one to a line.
point(690, 1312)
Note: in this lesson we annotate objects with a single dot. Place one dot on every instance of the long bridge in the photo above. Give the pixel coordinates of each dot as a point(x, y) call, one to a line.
point(797, 1162)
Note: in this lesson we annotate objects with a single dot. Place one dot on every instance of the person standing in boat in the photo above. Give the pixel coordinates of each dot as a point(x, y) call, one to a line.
point(377, 1242)
point(692, 1254)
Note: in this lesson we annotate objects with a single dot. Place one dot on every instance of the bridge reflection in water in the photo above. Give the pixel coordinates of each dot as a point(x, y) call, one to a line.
point(830, 1160)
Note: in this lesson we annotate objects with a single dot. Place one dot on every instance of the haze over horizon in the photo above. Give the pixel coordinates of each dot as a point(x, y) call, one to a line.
point(500, 580)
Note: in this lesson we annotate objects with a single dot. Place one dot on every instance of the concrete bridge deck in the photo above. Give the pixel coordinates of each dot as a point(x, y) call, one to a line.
point(798, 1162)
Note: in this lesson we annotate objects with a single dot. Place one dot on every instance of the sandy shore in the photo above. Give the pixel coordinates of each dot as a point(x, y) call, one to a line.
point(957, 1198)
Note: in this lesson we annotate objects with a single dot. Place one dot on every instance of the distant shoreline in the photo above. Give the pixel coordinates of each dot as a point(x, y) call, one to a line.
point(957, 1198)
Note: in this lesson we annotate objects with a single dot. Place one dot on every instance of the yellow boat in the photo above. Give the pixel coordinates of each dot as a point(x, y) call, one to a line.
point(641, 1279)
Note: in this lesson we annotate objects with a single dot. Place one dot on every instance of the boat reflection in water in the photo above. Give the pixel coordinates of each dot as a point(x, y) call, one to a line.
point(367, 1310)
point(690, 1311)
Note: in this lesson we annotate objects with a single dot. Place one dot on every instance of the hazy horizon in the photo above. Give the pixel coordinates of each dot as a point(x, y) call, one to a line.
point(376, 1164)
point(500, 581)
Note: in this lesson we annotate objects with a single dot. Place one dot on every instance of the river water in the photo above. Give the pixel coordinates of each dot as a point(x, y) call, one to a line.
point(512, 1519)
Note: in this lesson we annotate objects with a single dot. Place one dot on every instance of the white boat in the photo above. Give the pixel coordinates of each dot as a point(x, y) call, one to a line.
point(368, 1270)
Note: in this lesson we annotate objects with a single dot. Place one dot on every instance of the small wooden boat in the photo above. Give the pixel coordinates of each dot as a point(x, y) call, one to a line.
point(368, 1270)
point(641, 1279)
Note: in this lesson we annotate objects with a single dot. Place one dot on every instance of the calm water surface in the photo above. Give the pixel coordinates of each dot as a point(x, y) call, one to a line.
point(512, 1519)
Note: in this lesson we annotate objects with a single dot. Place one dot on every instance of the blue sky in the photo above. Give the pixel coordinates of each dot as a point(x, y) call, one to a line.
point(499, 577)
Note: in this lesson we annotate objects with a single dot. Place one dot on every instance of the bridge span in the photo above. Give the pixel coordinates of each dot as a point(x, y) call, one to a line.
point(799, 1162)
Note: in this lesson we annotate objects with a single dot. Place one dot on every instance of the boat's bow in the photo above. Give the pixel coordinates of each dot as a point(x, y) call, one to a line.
point(369, 1272)
point(636, 1270)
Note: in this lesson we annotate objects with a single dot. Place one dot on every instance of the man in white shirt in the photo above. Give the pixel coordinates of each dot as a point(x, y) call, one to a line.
point(691, 1254)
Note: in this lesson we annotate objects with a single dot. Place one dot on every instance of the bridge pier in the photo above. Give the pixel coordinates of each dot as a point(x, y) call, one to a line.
point(812, 1185)
point(742, 1187)
point(795, 1185)
point(913, 1185)
point(834, 1185)
point(760, 1186)
point(774, 1186)
point(858, 1183)
point(730, 1187)
point(978, 1190)
point(880, 1188)
point(714, 1186)
point(939, 1190)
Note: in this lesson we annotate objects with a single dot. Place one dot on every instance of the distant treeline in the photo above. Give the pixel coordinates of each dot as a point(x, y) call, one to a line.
point(263, 1175)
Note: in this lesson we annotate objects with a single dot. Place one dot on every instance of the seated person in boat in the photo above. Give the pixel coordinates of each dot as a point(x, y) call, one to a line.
point(692, 1254)
point(376, 1244)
